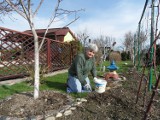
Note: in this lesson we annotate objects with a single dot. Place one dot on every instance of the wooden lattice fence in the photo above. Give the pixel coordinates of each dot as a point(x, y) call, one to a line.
point(17, 54)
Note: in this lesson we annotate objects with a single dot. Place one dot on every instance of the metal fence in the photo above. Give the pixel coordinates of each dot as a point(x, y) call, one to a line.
point(17, 54)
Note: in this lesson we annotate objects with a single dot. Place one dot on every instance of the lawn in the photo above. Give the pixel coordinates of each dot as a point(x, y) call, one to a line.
point(56, 82)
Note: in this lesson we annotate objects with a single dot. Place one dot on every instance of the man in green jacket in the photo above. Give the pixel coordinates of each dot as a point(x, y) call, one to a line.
point(82, 65)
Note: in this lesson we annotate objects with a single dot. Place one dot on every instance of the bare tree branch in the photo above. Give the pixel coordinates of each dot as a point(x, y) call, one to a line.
point(38, 8)
point(25, 10)
point(55, 14)
point(16, 8)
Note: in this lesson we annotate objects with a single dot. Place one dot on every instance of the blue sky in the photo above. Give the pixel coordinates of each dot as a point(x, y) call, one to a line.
point(101, 17)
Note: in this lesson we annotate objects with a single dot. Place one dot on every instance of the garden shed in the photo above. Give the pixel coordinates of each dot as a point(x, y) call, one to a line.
point(60, 34)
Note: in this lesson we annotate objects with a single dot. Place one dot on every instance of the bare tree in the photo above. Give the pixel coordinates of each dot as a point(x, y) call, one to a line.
point(6, 9)
point(143, 38)
point(83, 37)
point(104, 41)
point(129, 42)
point(25, 9)
point(105, 44)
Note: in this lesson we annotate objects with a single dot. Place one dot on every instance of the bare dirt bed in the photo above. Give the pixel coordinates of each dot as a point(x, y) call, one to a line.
point(23, 105)
point(117, 103)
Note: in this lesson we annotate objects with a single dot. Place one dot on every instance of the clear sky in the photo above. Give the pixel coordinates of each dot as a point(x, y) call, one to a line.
point(101, 17)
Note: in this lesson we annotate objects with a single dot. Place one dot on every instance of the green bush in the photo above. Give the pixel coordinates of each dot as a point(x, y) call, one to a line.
point(124, 56)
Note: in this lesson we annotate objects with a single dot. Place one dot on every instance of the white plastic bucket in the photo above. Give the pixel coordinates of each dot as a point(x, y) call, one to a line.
point(100, 85)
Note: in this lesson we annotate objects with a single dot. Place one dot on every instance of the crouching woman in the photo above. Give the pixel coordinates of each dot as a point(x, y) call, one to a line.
point(82, 65)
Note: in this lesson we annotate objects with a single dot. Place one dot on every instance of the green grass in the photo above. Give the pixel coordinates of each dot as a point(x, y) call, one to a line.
point(122, 67)
point(7, 90)
point(57, 83)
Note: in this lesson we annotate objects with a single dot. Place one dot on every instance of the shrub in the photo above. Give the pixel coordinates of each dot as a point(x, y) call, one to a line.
point(115, 55)
point(124, 56)
point(98, 58)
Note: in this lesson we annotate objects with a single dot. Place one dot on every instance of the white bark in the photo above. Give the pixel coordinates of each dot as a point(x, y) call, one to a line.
point(36, 76)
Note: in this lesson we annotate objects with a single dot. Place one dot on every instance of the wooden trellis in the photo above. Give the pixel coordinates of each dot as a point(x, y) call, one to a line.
point(17, 54)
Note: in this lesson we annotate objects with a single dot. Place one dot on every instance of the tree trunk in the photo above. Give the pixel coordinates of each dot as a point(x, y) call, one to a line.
point(36, 75)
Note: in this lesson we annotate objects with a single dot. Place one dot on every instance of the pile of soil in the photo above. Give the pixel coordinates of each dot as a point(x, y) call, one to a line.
point(24, 105)
point(117, 103)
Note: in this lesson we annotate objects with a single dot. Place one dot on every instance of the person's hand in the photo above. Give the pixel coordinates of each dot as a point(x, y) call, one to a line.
point(87, 87)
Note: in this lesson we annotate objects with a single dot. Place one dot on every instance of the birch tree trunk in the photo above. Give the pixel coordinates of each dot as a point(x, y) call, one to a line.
point(36, 66)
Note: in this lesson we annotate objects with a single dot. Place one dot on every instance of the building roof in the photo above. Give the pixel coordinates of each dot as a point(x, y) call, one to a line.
point(57, 31)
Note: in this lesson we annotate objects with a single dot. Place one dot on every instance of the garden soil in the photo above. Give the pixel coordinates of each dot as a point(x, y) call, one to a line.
point(118, 102)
